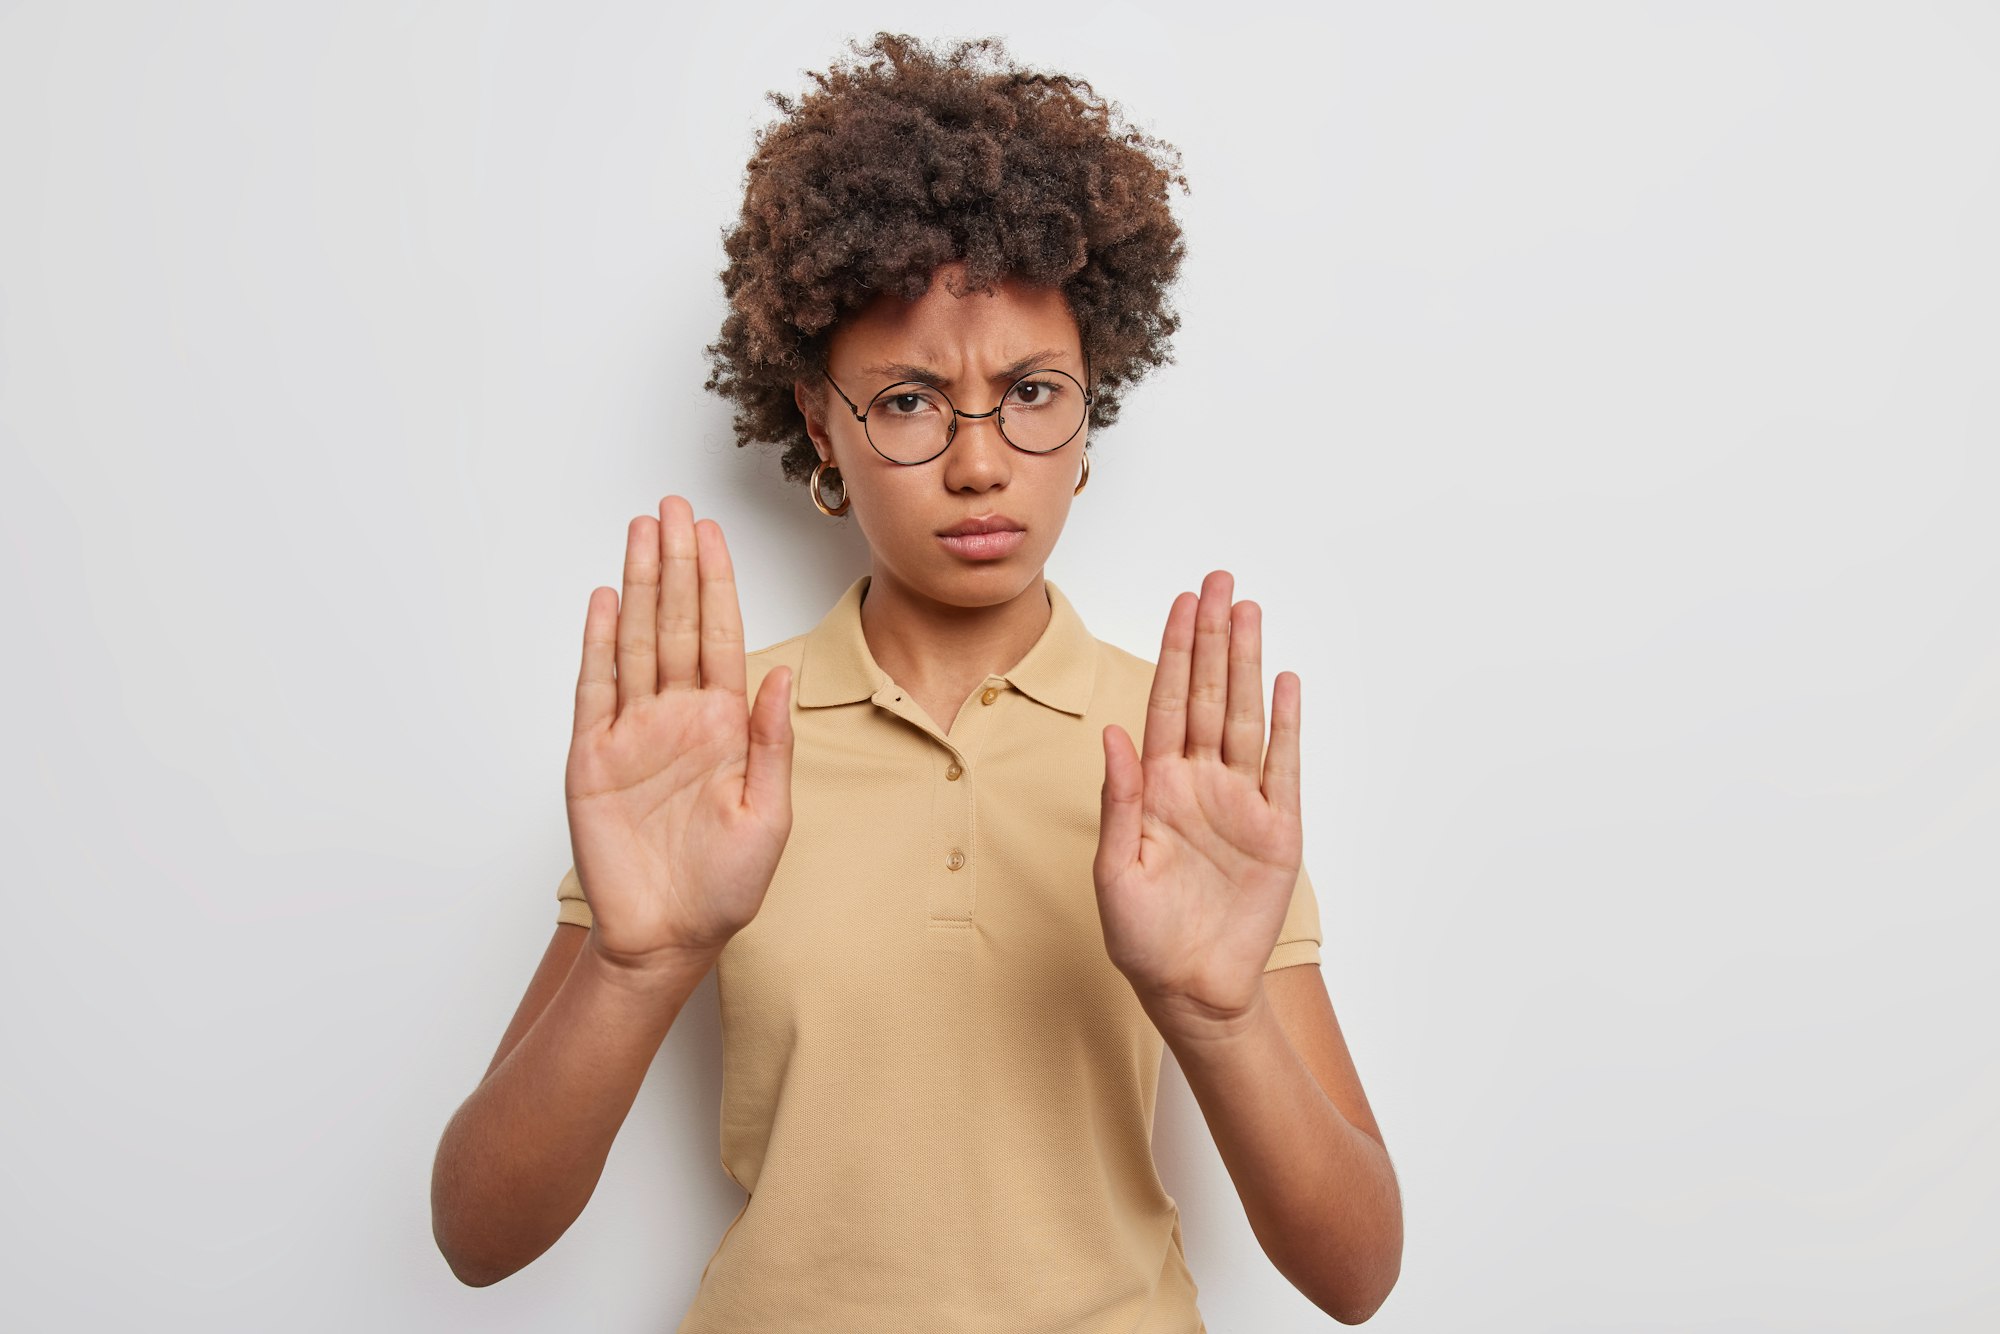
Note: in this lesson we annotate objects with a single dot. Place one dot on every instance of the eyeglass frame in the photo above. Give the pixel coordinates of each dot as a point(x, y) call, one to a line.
point(951, 431)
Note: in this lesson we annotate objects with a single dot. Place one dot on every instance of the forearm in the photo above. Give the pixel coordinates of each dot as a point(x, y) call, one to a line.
point(1320, 1193)
point(522, 1155)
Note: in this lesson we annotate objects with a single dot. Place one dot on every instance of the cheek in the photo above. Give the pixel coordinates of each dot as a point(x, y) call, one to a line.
point(887, 506)
point(1055, 503)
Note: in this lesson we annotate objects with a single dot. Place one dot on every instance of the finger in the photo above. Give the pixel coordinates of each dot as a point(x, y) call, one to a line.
point(1243, 724)
point(635, 610)
point(1208, 674)
point(1281, 763)
point(767, 777)
point(680, 597)
point(596, 688)
point(1166, 708)
point(1124, 792)
point(721, 613)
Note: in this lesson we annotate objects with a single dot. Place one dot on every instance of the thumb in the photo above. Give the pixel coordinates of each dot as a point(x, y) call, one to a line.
point(767, 778)
point(1118, 822)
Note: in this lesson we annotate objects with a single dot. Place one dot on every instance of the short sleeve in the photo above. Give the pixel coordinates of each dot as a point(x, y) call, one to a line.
point(571, 906)
point(1299, 937)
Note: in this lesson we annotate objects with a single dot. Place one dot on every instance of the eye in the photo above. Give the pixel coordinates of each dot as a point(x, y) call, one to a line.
point(904, 400)
point(1035, 393)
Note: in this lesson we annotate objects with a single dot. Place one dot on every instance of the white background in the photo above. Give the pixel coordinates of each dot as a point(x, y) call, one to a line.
point(1599, 399)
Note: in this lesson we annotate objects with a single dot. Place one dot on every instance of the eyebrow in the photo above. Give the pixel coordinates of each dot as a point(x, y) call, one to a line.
point(901, 370)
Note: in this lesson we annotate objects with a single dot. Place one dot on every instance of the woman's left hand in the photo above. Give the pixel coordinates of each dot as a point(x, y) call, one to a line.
point(1200, 842)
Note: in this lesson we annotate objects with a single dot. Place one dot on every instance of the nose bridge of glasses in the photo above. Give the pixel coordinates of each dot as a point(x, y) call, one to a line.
point(992, 413)
point(957, 415)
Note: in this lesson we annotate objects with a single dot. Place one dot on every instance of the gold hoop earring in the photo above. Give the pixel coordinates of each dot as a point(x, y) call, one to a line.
point(819, 502)
point(1086, 473)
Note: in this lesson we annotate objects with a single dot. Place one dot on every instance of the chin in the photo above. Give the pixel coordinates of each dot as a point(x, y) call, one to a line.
point(979, 583)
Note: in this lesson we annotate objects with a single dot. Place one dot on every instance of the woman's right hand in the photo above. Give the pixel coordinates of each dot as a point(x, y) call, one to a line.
point(679, 791)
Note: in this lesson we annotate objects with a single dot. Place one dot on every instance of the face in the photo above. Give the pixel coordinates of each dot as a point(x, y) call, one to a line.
point(974, 347)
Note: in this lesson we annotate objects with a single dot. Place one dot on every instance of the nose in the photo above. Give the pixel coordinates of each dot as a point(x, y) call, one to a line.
point(978, 457)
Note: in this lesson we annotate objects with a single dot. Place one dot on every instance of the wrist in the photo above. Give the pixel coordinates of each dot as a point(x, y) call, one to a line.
point(1187, 1023)
point(658, 971)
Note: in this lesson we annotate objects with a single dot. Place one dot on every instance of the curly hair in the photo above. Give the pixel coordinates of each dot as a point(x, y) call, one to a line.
point(905, 158)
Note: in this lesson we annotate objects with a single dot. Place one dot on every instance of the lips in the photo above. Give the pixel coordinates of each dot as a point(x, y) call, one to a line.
point(990, 523)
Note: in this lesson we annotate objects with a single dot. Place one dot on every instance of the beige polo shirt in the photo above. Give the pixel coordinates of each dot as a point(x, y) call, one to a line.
point(937, 1090)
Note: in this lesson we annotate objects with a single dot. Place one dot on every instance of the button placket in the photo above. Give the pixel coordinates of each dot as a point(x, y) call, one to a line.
point(954, 889)
point(954, 881)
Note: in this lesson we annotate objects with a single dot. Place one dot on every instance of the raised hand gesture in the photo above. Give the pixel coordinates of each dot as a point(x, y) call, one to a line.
point(679, 792)
point(1200, 840)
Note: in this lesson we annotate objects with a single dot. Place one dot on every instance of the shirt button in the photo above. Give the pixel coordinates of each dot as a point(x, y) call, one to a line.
point(954, 771)
point(988, 695)
point(956, 860)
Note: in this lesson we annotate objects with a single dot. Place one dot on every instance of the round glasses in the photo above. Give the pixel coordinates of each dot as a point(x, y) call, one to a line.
point(911, 422)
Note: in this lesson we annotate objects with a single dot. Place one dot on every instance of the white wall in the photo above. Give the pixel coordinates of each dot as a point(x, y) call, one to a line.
point(1600, 400)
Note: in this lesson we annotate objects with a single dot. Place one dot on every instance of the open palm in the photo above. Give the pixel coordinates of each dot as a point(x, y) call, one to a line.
point(1200, 839)
point(678, 790)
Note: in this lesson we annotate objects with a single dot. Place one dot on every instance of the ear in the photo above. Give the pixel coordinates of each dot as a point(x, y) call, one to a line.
point(813, 409)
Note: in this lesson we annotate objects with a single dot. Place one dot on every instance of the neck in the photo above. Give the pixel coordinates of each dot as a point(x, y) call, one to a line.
point(927, 645)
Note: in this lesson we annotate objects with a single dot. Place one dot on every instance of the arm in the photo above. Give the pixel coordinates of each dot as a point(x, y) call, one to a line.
point(679, 800)
point(522, 1155)
point(1281, 1097)
point(1198, 859)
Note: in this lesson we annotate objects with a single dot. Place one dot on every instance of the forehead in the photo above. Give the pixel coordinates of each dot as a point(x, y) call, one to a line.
point(947, 331)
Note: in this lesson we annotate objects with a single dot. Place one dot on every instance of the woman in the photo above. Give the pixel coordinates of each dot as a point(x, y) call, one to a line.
point(955, 908)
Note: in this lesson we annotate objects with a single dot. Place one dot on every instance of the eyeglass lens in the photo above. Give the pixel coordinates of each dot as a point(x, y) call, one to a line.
point(912, 422)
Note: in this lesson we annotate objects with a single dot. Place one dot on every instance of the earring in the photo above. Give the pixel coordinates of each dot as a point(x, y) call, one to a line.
point(1086, 472)
point(818, 501)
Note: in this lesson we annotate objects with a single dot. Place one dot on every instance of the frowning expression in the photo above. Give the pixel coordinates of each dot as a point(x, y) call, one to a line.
point(975, 348)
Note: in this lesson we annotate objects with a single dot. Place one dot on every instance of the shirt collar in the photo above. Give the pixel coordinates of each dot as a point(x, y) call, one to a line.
point(837, 668)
